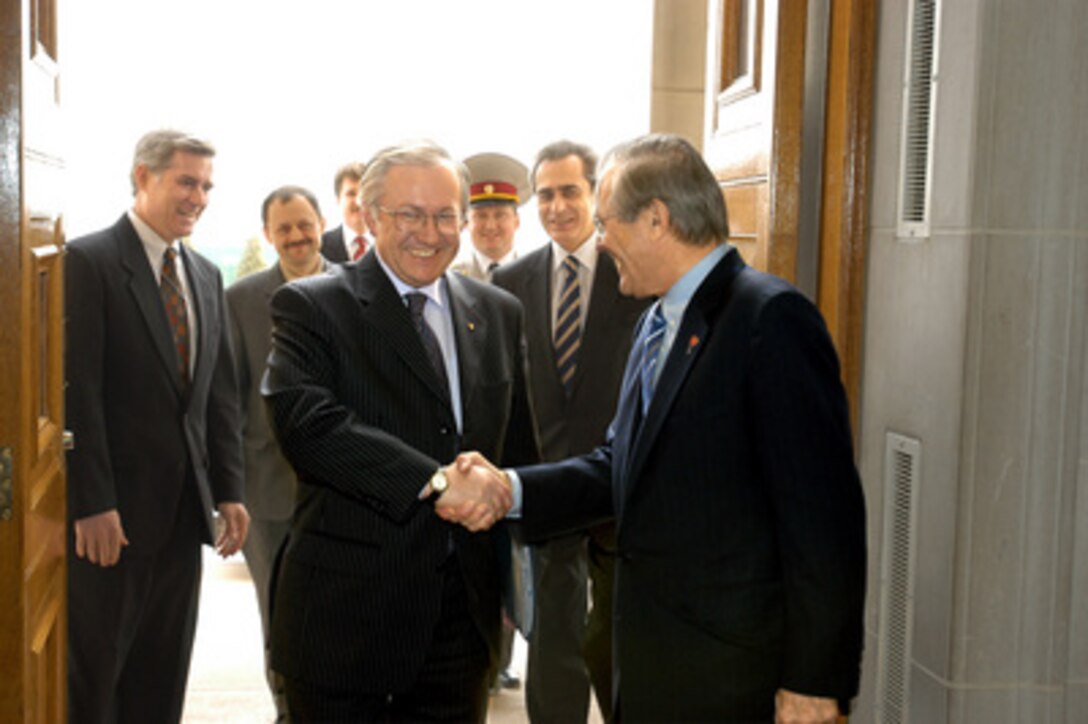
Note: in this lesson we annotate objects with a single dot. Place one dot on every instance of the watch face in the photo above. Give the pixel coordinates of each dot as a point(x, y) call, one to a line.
point(439, 483)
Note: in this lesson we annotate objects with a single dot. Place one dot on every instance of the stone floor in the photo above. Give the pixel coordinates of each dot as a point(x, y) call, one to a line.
point(226, 682)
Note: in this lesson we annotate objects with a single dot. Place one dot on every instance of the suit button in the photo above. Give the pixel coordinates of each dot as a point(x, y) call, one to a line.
point(444, 430)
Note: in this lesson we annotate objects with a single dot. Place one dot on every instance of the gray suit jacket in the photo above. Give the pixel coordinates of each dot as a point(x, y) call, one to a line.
point(139, 438)
point(270, 481)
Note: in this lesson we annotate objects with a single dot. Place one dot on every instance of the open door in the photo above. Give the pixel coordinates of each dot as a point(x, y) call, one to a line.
point(33, 587)
point(788, 112)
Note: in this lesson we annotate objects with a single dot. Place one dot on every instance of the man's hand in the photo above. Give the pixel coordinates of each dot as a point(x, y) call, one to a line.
point(235, 519)
point(478, 494)
point(99, 538)
point(793, 708)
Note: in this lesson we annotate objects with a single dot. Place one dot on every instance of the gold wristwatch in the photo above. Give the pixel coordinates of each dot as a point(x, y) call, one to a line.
point(439, 483)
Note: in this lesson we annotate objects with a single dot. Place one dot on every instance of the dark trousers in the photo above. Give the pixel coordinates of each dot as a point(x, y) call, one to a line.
point(557, 681)
point(451, 687)
point(131, 627)
point(598, 643)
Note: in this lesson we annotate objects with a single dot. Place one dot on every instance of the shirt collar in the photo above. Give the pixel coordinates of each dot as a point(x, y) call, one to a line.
point(675, 301)
point(483, 261)
point(154, 244)
point(433, 291)
point(586, 254)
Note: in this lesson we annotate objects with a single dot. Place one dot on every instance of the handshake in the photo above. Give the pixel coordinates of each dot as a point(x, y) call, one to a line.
point(478, 494)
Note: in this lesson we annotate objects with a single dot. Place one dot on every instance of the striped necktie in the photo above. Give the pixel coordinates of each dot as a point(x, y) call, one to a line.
point(174, 301)
point(416, 302)
point(651, 355)
point(568, 324)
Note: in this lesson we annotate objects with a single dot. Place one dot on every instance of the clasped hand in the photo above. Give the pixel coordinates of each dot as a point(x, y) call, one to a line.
point(478, 495)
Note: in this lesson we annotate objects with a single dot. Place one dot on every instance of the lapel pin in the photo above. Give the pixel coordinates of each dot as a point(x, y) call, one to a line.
point(693, 342)
point(472, 326)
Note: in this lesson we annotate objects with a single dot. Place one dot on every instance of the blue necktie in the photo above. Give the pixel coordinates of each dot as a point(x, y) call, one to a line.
point(651, 354)
point(568, 324)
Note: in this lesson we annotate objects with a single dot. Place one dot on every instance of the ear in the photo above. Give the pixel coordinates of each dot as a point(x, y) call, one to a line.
point(370, 221)
point(658, 214)
point(141, 174)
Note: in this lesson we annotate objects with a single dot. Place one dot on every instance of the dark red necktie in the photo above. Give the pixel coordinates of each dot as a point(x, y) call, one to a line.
point(174, 301)
point(359, 247)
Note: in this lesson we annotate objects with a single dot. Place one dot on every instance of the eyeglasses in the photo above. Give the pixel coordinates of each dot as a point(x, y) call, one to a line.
point(599, 222)
point(411, 220)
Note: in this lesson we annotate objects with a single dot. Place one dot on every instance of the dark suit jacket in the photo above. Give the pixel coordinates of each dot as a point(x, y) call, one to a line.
point(741, 524)
point(359, 412)
point(138, 438)
point(332, 245)
point(577, 424)
point(270, 481)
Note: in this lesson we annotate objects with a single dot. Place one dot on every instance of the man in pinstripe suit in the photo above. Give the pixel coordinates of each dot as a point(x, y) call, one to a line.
point(380, 373)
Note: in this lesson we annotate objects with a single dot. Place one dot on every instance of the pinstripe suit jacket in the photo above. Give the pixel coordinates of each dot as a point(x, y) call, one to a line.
point(360, 415)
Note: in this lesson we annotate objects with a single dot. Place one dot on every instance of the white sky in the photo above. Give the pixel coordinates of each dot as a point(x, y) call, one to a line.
point(288, 90)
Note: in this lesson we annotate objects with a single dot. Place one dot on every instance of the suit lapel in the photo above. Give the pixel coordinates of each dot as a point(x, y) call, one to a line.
point(145, 292)
point(710, 298)
point(384, 310)
point(595, 334)
point(200, 286)
point(470, 333)
point(538, 319)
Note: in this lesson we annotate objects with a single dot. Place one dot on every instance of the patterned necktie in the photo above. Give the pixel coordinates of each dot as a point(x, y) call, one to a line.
point(568, 324)
point(358, 247)
point(416, 302)
point(174, 301)
point(651, 355)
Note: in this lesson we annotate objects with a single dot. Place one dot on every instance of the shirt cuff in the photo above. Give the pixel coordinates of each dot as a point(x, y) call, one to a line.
point(515, 489)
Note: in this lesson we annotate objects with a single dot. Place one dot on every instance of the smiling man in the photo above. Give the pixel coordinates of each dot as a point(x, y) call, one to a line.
point(152, 402)
point(578, 327)
point(292, 225)
point(729, 468)
point(380, 373)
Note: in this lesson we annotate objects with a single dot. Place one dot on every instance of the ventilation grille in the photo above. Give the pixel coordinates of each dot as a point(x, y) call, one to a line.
point(902, 457)
point(919, 100)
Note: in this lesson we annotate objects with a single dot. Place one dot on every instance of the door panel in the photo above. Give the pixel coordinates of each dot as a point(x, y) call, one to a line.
point(756, 82)
point(754, 113)
point(33, 611)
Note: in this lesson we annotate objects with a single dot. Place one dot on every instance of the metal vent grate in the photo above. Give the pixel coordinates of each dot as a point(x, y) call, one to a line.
point(902, 457)
point(919, 100)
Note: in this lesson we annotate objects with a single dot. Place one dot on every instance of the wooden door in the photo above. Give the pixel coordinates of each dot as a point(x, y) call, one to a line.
point(33, 585)
point(754, 118)
point(759, 80)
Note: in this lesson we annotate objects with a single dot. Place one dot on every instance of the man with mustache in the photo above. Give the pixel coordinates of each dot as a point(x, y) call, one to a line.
point(292, 225)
